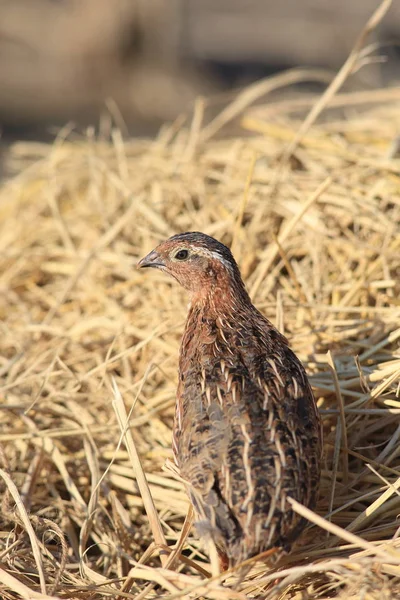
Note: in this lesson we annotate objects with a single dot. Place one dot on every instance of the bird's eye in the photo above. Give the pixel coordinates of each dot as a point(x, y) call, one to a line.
point(182, 255)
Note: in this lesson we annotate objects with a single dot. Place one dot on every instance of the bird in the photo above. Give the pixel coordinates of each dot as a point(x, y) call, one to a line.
point(247, 431)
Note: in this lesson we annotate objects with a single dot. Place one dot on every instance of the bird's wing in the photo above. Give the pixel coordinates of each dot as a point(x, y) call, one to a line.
point(247, 440)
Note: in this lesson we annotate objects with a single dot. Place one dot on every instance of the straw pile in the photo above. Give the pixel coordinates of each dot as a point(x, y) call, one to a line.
point(85, 338)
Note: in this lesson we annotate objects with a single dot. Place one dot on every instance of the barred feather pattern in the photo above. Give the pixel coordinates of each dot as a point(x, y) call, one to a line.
point(247, 431)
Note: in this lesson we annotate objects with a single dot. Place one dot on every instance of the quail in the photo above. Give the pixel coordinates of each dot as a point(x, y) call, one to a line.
point(247, 432)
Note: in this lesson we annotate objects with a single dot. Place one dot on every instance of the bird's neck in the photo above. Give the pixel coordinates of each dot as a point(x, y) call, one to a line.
point(229, 299)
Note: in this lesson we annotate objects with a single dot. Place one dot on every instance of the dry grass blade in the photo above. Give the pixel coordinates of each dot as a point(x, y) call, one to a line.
point(12, 488)
point(22, 590)
point(368, 513)
point(258, 90)
point(341, 76)
point(174, 556)
point(242, 208)
point(345, 449)
point(104, 241)
point(386, 554)
point(148, 502)
point(273, 250)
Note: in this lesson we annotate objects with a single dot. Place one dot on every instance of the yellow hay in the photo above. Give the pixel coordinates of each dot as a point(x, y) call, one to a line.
point(317, 236)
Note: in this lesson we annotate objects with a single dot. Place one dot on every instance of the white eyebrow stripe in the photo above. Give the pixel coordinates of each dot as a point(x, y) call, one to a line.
point(218, 256)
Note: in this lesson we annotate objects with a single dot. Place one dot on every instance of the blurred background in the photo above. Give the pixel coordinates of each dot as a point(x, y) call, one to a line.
point(144, 61)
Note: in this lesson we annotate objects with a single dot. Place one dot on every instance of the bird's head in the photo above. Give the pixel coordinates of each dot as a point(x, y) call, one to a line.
point(197, 261)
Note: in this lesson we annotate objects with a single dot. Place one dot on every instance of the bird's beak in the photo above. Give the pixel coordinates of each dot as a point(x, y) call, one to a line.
point(153, 259)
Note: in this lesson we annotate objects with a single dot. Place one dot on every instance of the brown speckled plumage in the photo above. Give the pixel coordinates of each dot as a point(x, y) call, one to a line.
point(247, 430)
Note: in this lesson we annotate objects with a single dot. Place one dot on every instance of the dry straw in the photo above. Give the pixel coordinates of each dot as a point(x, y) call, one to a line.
point(89, 511)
